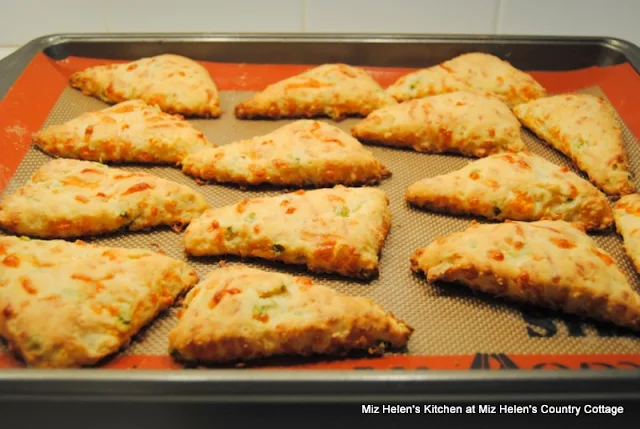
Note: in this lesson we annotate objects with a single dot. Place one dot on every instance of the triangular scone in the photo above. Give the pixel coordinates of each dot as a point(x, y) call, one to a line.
point(174, 83)
point(339, 230)
point(303, 153)
point(474, 71)
point(131, 131)
point(518, 186)
point(71, 304)
point(334, 90)
point(549, 263)
point(239, 313)
point(627, 215)
point(69, 198)
point(469, 123)
point(584, 128)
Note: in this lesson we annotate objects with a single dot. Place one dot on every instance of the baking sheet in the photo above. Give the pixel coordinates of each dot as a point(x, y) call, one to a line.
point(448, 319)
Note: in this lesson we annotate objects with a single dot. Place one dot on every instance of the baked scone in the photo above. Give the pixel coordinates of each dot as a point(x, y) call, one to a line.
point(174, 83)
point(68, 304)
point(239, 313)
point(627, 216)
point(549, 263)
point(131, 131)
point(467, 72)
point(333, 90)
point(70, 198)
point(303, 153)
point(338, 229)
point(585, 129)
point(517, 186)
point(469, 123)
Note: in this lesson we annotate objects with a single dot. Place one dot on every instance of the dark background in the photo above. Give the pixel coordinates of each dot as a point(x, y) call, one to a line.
point(113, 415)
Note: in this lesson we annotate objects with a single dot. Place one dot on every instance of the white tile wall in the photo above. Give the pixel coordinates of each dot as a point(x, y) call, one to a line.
point(204, 15)
point(23, 20)
point(401, 16)
point(20, 23)
point(4, 51)
point(616, 18)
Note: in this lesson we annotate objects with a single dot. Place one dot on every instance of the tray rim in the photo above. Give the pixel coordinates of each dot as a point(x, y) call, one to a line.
point(267, 385)
point(14, 63)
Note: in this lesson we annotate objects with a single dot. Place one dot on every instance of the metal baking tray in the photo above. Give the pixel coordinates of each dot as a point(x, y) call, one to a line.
point(469, 383)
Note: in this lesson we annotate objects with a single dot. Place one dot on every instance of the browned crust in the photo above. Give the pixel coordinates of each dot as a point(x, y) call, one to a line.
point(397, 140)
point(52, 146)
point(634, 259)
point(412, 141)
point(596, 306)
point(631, 208)
point(69, 354)
point(327, 257)
point(454, 205)
point(90, 87)
point(340, 175)
point(225, 320)
point(627, 188)
point(346, 262)
point(246, 110)
point(179, 206)
point(301, 342)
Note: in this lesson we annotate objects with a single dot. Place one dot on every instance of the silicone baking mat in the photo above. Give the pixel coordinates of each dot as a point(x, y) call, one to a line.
point(454, 328)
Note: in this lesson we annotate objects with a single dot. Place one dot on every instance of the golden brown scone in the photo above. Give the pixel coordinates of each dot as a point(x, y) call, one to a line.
point(69, 198)
point(549, 263)
point(71, 304)
point(518, 186)
point(627, 215)
point(239, 313)
point(174, 83)
point(470, 123)
point(468, 72)
point(585, 129)
point(303, 153)
point(131, 131)
point(333, 90)
point(339, 230)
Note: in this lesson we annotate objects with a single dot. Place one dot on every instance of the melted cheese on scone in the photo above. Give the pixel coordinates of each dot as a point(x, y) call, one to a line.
point(549, 263)
point(584, 128)
point(474, 71)
point(174, 83)
point(131, 131)
point(71, 304)
point(627, 215)
point(333, 230)
point(334, 90)
point(303, 153)
point(518, 186)
point(241, 313)
point(69, 198)
point(469, 123)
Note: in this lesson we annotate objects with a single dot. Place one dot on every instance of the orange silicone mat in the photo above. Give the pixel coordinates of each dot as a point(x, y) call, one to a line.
point(454, 327)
